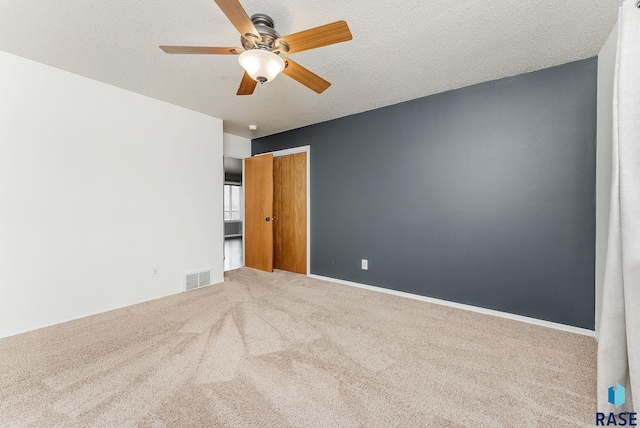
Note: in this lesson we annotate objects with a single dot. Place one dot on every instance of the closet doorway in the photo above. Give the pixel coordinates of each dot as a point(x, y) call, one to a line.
point(276, 211)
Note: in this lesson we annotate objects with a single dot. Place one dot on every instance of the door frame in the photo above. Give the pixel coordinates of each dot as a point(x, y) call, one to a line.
point(293, 151)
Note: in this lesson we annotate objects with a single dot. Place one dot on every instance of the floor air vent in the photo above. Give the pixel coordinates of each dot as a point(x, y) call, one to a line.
point(197, 279)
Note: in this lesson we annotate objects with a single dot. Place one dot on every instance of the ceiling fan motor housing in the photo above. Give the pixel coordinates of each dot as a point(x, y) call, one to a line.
point(264, 24)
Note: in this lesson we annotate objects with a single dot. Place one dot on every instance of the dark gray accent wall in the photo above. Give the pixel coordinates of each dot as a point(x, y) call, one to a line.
point(484, 195)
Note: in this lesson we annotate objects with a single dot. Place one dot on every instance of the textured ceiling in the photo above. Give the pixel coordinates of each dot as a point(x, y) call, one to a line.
point(401, 49)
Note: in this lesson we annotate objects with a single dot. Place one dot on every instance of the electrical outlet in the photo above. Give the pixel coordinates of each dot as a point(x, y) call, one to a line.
point(365, 264)
point(155, 272)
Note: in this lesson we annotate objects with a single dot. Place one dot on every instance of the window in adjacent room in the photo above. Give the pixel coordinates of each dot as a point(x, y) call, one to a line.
point(232, 196)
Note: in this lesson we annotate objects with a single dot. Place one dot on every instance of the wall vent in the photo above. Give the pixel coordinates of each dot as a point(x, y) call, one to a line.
point(197, 279)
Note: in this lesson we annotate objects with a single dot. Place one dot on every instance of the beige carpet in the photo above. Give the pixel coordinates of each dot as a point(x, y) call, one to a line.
point(276, 350)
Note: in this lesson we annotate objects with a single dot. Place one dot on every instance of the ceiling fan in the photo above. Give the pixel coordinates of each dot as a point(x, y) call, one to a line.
point(262, 46)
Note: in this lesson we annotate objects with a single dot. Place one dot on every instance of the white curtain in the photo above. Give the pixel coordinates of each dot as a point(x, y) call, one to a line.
point(619, 339)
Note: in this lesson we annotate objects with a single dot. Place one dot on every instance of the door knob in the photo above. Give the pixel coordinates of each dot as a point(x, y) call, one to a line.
point(268, 219)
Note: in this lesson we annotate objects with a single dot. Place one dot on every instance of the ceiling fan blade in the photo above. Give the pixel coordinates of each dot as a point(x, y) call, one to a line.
point(247, 85)
point(317, 37)
point(238, 17)
point(304, 76)
point(201, 50)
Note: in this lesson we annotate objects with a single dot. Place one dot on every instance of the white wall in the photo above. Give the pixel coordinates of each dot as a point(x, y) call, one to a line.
point(606, 71)
point(236, 147)
point(98, 185)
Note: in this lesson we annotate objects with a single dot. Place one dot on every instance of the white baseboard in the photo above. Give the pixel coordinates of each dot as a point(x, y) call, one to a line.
point(534, 321)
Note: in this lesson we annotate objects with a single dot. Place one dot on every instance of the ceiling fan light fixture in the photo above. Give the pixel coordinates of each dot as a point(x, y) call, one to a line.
point(261, 65)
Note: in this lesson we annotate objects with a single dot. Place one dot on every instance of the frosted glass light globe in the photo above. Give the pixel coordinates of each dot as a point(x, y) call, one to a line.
point(261, 65)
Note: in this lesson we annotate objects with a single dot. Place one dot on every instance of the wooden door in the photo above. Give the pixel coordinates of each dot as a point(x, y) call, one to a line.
point(290, 211)
point(258, 194)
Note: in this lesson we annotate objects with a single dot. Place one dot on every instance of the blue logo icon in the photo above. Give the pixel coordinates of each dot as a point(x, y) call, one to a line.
point(616, 395)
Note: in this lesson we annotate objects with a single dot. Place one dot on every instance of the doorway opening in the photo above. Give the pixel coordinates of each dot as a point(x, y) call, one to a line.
point(233, 214)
